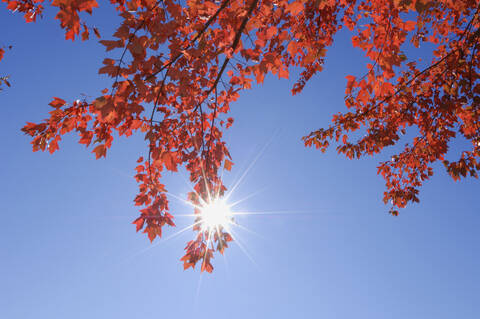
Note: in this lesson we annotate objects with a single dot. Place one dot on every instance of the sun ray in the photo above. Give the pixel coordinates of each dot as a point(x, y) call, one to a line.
point(206, 184)
point(275, 212)
point(260, 153)
point(206, 247)
point(221, 178)
point(183, 200)
point(248, 230)
point(242, 248)
point(189, 185)
point(144, 250)
point(197, 294)
point(227, 267)
point(186, 215)
point(247, 197)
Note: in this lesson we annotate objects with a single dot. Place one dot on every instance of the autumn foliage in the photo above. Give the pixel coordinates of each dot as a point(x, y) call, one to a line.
point(3, 78)
point(176, 67)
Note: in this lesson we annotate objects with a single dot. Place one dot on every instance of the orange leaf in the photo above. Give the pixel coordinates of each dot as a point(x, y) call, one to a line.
point(410, 25)
point(295, 7)
point(139, 222)
point(100, 151)
point(227, 165)
point(85, 33)
point(271, 31)
point(169, 162)
point(292, 48)
point(57, 103)
point(110, 44)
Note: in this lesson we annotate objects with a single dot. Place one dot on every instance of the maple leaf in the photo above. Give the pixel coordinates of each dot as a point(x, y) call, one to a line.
point(139, 222)
point(57, 103)
point(111, 44)
point(227, 165)
point(100, 150)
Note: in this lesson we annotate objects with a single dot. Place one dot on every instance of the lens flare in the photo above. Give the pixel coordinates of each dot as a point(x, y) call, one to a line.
point(215, 215)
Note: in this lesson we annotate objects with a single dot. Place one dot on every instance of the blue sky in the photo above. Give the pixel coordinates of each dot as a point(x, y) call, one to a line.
point(330, 250)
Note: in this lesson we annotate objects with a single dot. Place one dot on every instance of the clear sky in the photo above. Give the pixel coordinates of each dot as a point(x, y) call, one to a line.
point(328, 250)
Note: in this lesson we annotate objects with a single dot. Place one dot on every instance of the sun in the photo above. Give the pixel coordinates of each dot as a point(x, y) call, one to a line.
point(215, 215)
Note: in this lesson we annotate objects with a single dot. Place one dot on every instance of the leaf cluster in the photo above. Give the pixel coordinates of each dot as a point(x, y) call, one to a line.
point(176, 67)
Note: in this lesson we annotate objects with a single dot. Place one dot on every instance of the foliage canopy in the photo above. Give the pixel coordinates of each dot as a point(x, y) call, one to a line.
point(178, 65)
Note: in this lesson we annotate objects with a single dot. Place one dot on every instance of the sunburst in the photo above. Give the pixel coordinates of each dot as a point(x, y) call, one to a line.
point(216, 214)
